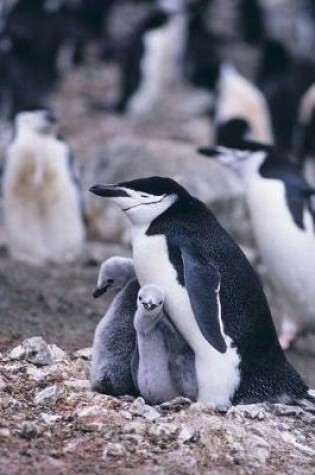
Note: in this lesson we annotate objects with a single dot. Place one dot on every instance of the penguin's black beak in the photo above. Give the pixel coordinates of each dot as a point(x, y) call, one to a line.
point(108, 191)
point(209, 151)
point(149, 305)
point(100, 291)
point(50, 117)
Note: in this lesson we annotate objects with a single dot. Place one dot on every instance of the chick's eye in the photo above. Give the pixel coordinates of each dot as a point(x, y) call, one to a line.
point(160, 303)
point(140, 298)
point(144, 196)
point(110, 281)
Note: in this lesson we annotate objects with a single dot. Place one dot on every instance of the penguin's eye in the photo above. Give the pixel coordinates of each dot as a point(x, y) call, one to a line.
point(160, 303)
point(140, 299)
point(144, 196)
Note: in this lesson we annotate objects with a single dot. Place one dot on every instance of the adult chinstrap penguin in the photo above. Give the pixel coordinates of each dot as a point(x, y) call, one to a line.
point(150, 59)
point(42, 202)
point(114, 338)
point(163, 365)
point(241, 110)
point(279, 201)
point(212, 294)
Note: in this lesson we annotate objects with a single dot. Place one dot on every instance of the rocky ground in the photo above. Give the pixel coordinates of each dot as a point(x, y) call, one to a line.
point(51, 423)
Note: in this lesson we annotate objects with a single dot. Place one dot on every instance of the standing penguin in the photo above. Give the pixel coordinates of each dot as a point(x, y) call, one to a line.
point(163, 365)
point(42, 210)
point(114, 338)
point(150, 62)
point(241, 109)
point(278, 198)
point(212, 294)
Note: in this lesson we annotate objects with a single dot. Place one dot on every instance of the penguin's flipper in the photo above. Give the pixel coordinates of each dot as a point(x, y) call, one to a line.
point(202, 281)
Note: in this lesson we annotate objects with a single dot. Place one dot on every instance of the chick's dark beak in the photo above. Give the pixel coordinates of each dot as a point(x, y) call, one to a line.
point(149, 305)
point(100, 291)
point(108, 191)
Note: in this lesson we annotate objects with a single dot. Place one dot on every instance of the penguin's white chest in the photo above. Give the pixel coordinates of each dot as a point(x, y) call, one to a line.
point(287, 251)
point(217, 374)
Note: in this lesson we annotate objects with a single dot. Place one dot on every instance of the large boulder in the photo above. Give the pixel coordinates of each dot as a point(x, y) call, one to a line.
point(128, 158)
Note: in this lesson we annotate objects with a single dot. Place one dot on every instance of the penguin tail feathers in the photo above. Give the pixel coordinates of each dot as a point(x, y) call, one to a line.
point(307, 402)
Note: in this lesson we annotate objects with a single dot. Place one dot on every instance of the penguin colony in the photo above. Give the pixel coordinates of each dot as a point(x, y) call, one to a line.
point(189, 316)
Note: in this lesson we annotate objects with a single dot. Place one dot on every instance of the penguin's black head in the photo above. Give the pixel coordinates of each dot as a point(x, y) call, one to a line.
point(232, 132)
point(244, 158)
point(143, 199)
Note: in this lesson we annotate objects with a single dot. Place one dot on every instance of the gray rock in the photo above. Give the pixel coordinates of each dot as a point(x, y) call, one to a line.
point(57, 353)
point(114, 450)
point(49, 419)
point(78, 384)
point(176, 404)
point(84, 353)
point(3, 384)
point(186, 434)
point(163, 431)
point(28, 430)
point(249, 411)
point(4, 432)
point(37, 351)
point(126, 159)
point(140, 408)
point(47, 396)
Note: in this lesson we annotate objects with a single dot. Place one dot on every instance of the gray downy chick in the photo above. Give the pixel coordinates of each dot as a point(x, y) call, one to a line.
point(163, 365)
point(114, 338)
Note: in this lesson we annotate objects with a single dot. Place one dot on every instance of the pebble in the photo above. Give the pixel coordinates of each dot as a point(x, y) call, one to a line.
point(37, 351)
point(176, 404)
point(186, 434)
point(113, 450)
point(78, 384)
point(3, 384)
point(84, 353)
point(49, 418)
point(90, 411)
point(250, 411)
point(28, 430)
point(140, 408)
point(165, 430)
point(4, 432)
point(47, 396)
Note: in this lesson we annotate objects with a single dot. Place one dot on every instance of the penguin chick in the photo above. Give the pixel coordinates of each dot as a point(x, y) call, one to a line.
point(42, 211)
point(114, 337)
point(163, 364)
point(278, 198)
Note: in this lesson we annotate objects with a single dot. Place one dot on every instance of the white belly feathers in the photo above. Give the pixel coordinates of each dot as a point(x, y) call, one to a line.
point(217, 374)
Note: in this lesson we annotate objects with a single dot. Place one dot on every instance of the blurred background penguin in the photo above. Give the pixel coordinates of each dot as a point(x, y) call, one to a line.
point(42, 212)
